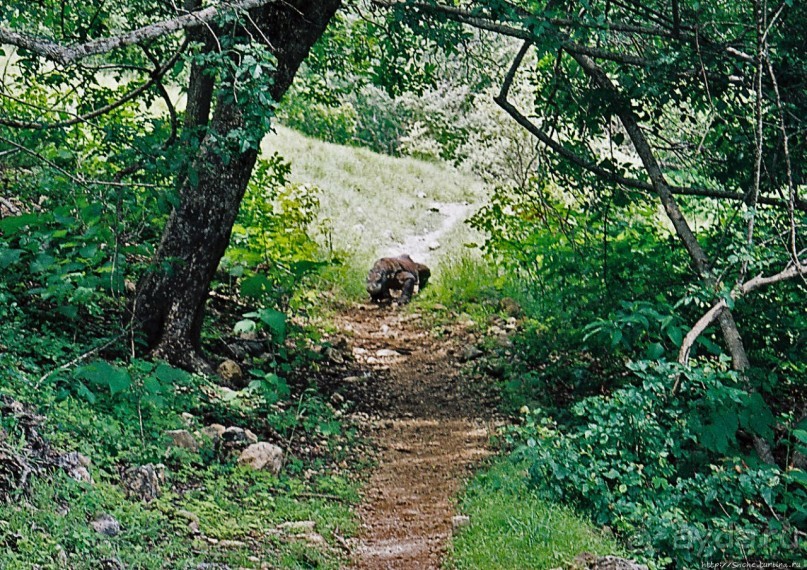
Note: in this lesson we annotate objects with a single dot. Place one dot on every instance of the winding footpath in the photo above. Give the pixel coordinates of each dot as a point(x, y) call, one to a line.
point(432, 430)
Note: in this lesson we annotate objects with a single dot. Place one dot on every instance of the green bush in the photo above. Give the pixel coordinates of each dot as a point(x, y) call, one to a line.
point(667, 471)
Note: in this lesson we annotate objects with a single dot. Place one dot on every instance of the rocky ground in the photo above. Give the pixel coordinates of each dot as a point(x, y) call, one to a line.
point(430, 422)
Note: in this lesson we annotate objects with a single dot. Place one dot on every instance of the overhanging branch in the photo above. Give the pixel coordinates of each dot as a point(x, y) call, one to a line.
point(502, 100)
point(70, 54)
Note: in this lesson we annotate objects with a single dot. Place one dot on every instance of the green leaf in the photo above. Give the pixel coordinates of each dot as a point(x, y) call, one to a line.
point(104, 374)
point(655, 351)
point(256, 286)
point(84, 392)
point(675, 335)
point(151, 385)
point(275, 321)
point(757, 417)
point(10, 226)
point(167, 374)
point(9, 257)
point(717, 435)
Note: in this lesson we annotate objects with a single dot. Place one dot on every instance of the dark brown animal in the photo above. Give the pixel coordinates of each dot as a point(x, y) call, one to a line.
point(396, 274)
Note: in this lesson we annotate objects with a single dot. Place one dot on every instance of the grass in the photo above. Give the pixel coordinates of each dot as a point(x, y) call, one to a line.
point(512, 528)
point(370, 203)
point(50, 529)
point(48, 524)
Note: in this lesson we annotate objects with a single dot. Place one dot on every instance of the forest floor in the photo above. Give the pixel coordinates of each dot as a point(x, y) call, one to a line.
point(430, 423)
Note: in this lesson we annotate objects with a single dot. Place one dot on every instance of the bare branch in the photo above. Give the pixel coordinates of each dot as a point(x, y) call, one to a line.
point(81, 181)
point(70, 54)
point(793, 270)
point(156, 76)
point(502, 100)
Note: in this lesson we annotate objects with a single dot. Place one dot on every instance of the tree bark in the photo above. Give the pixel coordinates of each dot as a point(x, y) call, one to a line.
point(170, 302)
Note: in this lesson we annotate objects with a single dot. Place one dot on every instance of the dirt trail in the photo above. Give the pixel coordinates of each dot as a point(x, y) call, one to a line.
point(420, 246)
point(432, 428)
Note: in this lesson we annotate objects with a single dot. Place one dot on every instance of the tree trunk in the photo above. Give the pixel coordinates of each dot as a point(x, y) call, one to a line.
point(170, 302)
point(728, 327)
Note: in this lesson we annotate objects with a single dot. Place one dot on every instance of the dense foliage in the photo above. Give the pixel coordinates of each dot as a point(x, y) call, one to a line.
point(647, 170)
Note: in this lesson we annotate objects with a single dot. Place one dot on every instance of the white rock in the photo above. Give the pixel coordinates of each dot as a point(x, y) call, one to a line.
point(297, 527)
point(106, 524)
point(213, 431)
point(76, 465)
point(262, 456)
point(182, 438)
point(460, 521)
point(387, 353)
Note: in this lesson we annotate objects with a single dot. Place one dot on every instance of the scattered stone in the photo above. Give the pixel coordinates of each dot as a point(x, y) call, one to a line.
point(236, 435)
point(112, 564)
point(510, 306)
point(76, 465)
point(504, 341)
point(460, 521)
point(337, 398)
point(439, 307)
point(187, 418)
point(182, 438)
point(144, 482)
point(212, 566)
point(251, 437)
point(61, 556)
point(314, 539)
point(496, 331)
point(214, 431)
point(434, 245)
point(470, 352)
point(192, 518)
point(352, 379)
point(421, 195)
point(129, 287)
point(188, 515)
point(225, 394)
point(232, 544)
point(387, 353)
point(231, 373)
point(297, 527)
point(106, 524)
point(334, 355)
point(262, 456)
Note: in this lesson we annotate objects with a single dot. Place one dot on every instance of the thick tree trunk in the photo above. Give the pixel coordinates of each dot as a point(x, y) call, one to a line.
point(170, 302)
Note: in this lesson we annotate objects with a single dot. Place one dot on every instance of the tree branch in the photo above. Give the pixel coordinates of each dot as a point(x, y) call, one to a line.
point(502, 100)
point(70, 54)
point(156, 76)
point(793, 270)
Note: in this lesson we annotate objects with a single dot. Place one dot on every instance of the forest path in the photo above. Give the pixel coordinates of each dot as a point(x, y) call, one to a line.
point(421, 246)
point(433, 427)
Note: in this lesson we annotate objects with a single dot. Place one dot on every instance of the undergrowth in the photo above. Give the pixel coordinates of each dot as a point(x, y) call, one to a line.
point(512, 527)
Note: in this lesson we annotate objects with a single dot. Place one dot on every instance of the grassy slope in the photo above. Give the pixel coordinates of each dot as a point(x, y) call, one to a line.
point(370, 202)
point(513, 529)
